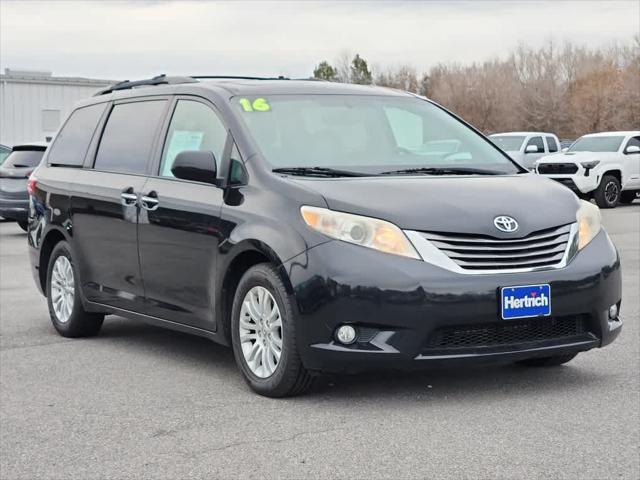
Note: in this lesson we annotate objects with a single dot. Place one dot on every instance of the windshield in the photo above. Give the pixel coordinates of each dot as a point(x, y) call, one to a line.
point(508, 143)
point(364, 134)
point(23, 158)
point(596, 144)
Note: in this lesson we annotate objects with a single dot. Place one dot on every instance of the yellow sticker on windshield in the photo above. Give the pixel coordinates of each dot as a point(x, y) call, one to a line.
point(258, 105)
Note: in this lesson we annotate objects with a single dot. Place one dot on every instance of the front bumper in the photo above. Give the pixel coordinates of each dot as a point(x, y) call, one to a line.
point(402, 306)
point(578, 182)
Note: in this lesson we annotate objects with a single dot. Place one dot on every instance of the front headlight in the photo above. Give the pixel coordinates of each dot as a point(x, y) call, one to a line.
point(364, 231)
point(588, 218)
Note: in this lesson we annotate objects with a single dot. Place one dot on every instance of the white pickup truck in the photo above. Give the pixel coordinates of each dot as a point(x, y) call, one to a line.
point(603, 166)
point(526, 147)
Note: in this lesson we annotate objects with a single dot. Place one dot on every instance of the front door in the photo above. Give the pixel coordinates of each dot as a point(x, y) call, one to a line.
point(105, 205)
point(179, 228)
point(529, 158)
point(632, 164)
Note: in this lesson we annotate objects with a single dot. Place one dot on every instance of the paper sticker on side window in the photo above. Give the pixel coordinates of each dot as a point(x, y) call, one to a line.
point(181, 140)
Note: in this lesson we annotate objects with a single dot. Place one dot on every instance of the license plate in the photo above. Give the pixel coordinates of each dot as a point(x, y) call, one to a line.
point(525, 301)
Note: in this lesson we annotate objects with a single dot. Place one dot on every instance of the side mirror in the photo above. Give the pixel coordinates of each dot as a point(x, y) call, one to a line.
point(632, 149)
point(565, 149)
point(195, 165)
point(531, 149)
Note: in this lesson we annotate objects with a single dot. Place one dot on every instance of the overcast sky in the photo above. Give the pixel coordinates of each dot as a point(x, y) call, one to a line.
point(119, 39)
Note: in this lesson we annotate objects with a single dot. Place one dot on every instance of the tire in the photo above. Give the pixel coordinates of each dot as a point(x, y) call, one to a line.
point(23, 225)
point(69, 319)
point(607, 194)
point(629, 196)
point(288, 377)
point(548, 361)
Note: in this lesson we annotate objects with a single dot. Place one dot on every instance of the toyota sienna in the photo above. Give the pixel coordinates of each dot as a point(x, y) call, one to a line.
point(314, 227)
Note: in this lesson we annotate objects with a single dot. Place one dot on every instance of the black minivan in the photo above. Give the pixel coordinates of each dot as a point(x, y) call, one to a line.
point(314, 227)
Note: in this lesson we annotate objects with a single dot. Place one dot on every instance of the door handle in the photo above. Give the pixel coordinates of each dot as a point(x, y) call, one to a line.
point(150, 201)
point(128, 198)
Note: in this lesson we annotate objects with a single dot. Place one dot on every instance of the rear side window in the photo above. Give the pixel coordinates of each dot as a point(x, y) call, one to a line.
point(537, 141)
point(128, 137)
point(23, 158)
point(552, 144)
point(4, 153)
point(71, 144)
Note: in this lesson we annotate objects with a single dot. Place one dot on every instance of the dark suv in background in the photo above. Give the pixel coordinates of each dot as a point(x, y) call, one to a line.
point(315, 227)
point(14, 172)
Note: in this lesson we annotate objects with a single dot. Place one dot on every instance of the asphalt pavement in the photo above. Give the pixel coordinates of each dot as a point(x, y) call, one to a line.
point(142, 402)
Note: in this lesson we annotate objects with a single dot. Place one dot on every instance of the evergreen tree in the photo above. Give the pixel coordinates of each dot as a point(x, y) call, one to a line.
point(324, 71)
point(360, 72)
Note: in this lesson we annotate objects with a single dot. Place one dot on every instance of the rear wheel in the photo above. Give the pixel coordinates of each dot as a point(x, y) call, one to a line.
point(548, 361)
point(607, 194)
point(23, 225)
point(63, 297)
point(263, 331)
point(629, 196)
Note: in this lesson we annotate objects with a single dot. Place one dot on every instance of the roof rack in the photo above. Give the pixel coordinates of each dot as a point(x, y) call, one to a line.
point(164, 80)
point(236, 77)
point(157, 80)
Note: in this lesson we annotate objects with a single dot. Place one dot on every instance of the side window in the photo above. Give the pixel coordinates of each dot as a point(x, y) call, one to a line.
point(407, 128)
point(71, 144)
point(128, 136)
point(552, 144)
point(194, 126)
point(537, 141)
point(633, 142)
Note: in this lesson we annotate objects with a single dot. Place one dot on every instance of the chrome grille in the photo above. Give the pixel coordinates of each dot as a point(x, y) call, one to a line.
point(482, 252)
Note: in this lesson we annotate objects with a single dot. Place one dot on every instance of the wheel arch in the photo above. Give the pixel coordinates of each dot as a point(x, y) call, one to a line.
point(50, 240)
point(245, 255)
point(616, 172)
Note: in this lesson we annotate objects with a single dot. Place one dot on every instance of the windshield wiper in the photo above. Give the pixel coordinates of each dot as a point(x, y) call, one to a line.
point(442, 171)
point(319, 172)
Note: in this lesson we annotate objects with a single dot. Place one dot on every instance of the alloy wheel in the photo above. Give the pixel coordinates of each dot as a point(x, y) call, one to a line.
point(62, 289)
point(260, 328)
point(611, 193)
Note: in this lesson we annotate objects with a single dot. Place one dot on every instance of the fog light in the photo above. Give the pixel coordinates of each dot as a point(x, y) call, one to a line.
point(346, 334)
point(613, 312)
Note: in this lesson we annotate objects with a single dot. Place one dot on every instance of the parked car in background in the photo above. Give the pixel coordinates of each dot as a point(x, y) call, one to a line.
point(14, 174)
point(4, 152)
point(565, 143)
point(603, 166)
point(526, 147)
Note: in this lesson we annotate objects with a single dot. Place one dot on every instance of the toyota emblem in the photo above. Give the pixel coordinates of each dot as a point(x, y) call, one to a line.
point(505, 224)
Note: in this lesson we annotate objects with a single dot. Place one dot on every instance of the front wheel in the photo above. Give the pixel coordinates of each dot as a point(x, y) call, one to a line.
point(607, 194)
point(548, 361)
point(263, 332)
point(63, 297)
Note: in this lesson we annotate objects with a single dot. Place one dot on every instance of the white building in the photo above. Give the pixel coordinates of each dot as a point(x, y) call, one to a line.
point(33, 104)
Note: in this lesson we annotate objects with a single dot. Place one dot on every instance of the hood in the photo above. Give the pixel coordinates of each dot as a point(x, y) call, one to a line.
point(466, 204)
point(573, 157)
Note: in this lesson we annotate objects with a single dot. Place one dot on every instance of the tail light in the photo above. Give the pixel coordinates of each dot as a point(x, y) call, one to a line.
point(32, 184)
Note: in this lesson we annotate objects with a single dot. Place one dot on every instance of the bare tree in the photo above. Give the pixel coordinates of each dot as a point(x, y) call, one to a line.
point(569, 89)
